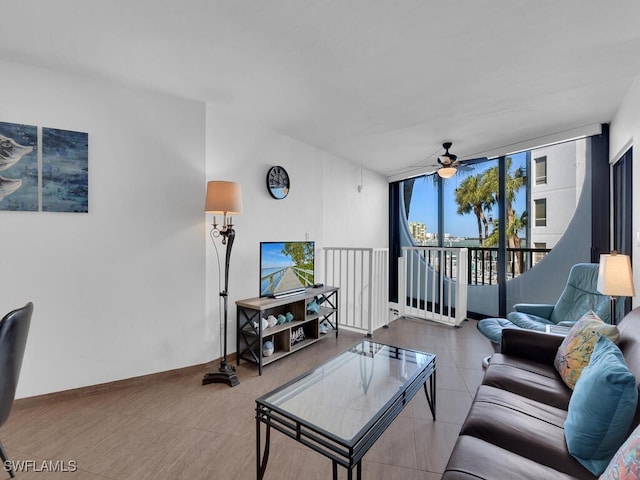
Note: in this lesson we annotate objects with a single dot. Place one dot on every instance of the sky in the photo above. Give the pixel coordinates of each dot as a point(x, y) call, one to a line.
point(424, 201)
point(272, 256)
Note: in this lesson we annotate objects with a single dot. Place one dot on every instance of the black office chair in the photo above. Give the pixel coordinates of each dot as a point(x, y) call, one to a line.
point(14, 328)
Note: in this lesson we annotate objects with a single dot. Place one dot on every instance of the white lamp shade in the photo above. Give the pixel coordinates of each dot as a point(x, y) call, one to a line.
point(223, 198)
point(614, 276)
point(447, 172)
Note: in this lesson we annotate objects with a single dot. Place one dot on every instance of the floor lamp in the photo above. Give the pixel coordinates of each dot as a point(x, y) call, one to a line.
point(615, 279)
point(223, 198)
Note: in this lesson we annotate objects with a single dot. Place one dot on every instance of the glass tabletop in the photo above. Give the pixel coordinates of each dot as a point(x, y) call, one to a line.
point(345, 394)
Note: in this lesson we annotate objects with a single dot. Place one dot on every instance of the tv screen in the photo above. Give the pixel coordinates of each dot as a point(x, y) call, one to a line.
point(286, 267)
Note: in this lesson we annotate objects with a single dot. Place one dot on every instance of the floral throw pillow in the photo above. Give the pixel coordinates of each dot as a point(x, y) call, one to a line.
point(625, 464)
point(575, 351)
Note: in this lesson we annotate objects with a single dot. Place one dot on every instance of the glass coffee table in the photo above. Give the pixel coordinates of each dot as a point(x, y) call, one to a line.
point(341, 408)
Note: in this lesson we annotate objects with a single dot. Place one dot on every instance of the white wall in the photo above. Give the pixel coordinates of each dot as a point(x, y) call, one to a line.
point(130, 287)
point(323, 205)
point(624, 129)
point(118, 291)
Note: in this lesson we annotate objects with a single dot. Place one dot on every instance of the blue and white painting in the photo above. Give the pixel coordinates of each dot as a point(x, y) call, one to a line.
point(18, 167)
point(65, 171)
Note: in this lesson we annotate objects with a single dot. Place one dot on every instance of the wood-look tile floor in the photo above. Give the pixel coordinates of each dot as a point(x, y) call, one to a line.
point(176, 428)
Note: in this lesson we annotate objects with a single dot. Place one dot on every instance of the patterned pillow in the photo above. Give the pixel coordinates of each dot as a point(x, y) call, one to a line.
point(575, 351)
point(625, 464)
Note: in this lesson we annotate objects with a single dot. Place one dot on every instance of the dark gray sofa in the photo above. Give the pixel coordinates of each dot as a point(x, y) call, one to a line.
point(515, 427)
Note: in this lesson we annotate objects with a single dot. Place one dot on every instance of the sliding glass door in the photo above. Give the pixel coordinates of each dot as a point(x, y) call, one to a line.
point(623, 210)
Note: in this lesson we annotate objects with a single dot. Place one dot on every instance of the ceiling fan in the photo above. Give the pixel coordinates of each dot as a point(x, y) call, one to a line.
point(449, 163)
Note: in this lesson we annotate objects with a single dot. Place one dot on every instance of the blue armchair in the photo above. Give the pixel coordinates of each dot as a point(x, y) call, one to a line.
point(580, 295)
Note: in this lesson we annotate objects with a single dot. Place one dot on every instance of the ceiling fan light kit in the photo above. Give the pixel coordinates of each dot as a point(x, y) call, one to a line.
point(448, 162)
point(447, 172)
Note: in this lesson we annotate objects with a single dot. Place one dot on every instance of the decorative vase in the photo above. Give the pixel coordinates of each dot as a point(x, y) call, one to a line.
point(267, 348)
point(263, 322)
point(312, 307)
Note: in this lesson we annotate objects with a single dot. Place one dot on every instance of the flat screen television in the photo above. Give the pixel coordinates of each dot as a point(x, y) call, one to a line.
point(286, 268)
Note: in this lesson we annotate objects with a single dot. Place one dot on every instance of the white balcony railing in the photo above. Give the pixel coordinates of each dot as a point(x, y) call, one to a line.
point(432, 284)
point(362, 275)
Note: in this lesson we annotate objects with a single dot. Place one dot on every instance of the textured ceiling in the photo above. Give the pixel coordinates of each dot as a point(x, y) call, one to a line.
point(379, 82)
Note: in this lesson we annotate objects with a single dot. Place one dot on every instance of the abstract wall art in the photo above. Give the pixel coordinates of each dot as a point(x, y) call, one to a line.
point(18, 167)
point(65, 173)
point(43, 169)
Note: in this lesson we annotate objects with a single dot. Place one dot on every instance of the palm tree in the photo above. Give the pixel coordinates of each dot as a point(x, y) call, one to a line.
point(473, 196)
point(518, 223)
point(514, 182)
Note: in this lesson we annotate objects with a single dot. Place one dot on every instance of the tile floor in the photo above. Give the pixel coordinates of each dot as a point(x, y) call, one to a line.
point(175, 428)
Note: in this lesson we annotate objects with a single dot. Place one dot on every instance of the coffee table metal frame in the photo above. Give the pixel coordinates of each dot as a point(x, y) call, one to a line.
point(348, 454)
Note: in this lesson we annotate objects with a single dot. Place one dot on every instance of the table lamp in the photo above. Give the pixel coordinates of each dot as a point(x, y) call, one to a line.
point(615, 279)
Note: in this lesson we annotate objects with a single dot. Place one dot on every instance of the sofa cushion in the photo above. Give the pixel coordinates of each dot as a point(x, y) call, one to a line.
point(531, 379)
point(536, 346)
point(625, 464)
point(601, 408)
point(575, 350)
point(474, 459)
point(523, 426)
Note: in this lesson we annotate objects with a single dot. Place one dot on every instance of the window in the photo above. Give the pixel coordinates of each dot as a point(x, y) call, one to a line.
point(541, 212)
point(464, 211)
point(541, 170)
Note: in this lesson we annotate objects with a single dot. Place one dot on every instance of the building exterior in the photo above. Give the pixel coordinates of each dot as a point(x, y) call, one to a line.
point(418, 231)
point(555, 180)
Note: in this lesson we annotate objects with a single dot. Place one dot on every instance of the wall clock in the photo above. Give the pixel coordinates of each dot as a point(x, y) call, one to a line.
point(278, 182)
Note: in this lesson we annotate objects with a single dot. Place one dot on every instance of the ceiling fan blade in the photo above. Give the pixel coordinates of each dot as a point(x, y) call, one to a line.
point(448, 159)
point(471, 161)
point(469, 164)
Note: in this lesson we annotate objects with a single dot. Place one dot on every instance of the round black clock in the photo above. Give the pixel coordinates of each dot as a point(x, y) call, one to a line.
point(278, 182)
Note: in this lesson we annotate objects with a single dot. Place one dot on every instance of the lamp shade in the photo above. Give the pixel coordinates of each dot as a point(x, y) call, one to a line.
point(614, 276)
point(447, 172)
point(223, 198)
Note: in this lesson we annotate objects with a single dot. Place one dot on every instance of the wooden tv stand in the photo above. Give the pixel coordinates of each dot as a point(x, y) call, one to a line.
point(250, 340)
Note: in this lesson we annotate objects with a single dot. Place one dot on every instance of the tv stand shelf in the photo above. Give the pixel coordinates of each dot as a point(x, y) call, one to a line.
point(250, 338)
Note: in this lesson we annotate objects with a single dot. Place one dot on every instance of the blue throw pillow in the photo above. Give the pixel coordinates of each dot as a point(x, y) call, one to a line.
point(601, 408)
